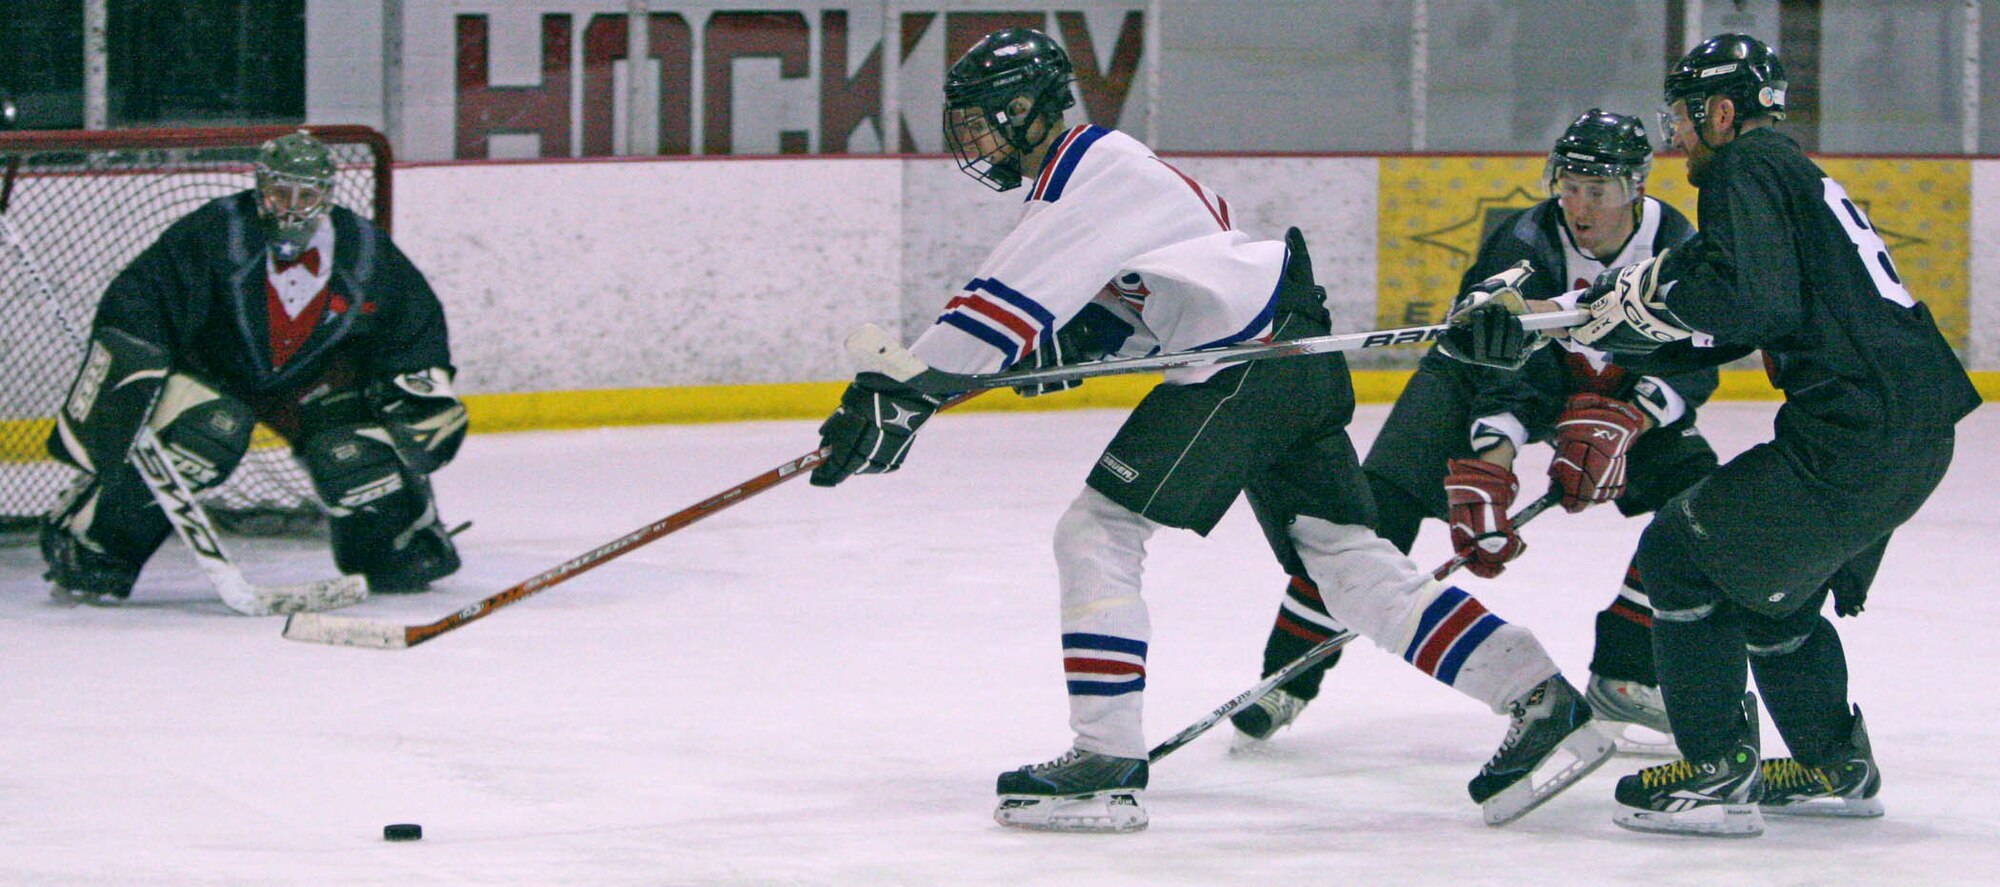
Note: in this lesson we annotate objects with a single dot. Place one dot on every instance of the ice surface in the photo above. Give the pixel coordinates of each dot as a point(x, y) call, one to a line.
point(818, 687)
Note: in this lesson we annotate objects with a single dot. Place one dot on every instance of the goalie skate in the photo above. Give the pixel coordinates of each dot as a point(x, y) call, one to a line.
point(1550, 745)
point(1079, 792)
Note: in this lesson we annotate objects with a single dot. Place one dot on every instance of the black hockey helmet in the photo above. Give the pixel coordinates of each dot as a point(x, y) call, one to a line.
point(1736, 66)
point(980, 93)
point(1600, 143)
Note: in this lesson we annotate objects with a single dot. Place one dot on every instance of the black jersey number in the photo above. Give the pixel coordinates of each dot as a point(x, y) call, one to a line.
point(1874, 253)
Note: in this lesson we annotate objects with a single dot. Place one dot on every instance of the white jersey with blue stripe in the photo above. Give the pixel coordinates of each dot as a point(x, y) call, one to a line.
point(1105, 215)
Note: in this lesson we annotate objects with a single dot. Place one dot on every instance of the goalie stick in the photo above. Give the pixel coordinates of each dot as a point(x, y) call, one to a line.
point(192, 524)
point(878, 351)
point(1319, 652)
point(376, 634)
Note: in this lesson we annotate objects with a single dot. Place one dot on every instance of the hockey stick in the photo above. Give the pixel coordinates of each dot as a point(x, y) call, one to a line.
point(376, 634)
point(878, 351)
point(192, 524)
point(1521, 518)
point(1310, 658)
point(1319, 652)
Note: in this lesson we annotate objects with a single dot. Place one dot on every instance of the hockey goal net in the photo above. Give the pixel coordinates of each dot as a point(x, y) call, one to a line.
point(75, 208)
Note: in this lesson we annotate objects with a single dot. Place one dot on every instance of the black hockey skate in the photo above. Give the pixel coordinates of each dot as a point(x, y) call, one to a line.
point(1715, 797)
point(81, 573)
point(1259, 720)
point(1550, 744)
point(1081, 791)
point(1845, 789)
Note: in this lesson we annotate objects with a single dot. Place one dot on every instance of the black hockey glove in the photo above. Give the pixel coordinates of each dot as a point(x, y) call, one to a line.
point(871, 430)
point(1486, 323)
point(1091, 334)
point(424, 418)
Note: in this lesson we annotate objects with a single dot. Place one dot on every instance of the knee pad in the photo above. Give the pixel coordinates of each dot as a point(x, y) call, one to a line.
point(1765, 638)
point(1100, 550)
point(205, 433)
point(1677, 588)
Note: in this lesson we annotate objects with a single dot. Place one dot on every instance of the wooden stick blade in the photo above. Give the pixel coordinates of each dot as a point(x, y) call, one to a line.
point(346, 631)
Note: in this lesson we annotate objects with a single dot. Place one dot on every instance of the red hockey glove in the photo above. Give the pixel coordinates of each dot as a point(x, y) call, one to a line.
point(1592, 438)
point(1480, 493)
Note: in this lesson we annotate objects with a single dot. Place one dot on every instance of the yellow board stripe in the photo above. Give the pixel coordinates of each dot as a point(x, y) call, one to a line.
point(21, 439)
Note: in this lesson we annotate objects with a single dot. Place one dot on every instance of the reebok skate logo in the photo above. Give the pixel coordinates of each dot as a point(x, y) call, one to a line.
point(1118, 469)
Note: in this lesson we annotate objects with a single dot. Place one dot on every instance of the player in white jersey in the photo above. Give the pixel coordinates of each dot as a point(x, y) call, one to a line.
point(1447, 450)
point(1118, 252)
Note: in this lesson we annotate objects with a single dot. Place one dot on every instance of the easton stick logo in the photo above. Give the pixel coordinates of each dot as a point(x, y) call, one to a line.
point(1411, 336)
point(471, 611)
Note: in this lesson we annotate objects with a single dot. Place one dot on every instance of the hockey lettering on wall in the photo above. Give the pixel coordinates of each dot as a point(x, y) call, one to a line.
point(1433, 212)
point(794, 78)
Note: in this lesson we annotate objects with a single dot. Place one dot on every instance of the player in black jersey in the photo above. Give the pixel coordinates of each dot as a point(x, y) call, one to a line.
point(269, 305)
point(1741, 565)
point(1448, 447)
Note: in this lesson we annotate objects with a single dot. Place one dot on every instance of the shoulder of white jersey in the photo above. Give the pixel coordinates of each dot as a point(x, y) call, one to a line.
point(1652, 221)
point(1674, 228)
point(1067, 154)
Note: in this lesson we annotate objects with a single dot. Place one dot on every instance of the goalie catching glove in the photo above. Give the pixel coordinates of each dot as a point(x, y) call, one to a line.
point(424, 418)
point(870, 432)
point(1628, 310)
point(1480, 493)
point(1592, 438)
point(1486, 323)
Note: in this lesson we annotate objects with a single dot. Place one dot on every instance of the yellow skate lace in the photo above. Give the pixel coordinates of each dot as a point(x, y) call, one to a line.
point(1654, 777)
point(1788, 774)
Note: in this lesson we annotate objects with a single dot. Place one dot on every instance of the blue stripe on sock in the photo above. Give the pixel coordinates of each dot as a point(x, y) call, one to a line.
point(1446, 602)
point(1447, 670)
point(1082, 641)
point(1106, 688)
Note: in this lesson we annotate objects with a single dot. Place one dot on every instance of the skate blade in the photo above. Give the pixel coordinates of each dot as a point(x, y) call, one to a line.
point(1580, 753)
point(69, 597)
point(1640, 741)
point(1104, 813)
point(1828, 808)
point(1708, 821)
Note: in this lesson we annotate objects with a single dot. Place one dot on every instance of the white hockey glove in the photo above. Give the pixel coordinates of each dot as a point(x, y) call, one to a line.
point(422, 414)
point(1628, 310)
point(1486, 323)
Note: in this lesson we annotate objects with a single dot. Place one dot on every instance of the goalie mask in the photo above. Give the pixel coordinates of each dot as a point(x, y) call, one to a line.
point(996, 94)
point(1738, 67)
point(294, 181)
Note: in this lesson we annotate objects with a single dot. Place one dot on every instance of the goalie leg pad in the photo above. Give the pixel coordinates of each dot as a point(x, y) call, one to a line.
point(120, 377)
point(205, 433)
point(383, 519)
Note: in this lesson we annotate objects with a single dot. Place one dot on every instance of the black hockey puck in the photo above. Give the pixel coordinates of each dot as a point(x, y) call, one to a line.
point(403, 831)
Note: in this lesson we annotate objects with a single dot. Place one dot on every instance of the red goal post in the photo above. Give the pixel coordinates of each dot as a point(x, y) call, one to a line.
point(75, 208)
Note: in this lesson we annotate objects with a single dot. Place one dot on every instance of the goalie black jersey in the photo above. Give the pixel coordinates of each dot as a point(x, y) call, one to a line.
point(1787, 262)
point(351, 307)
